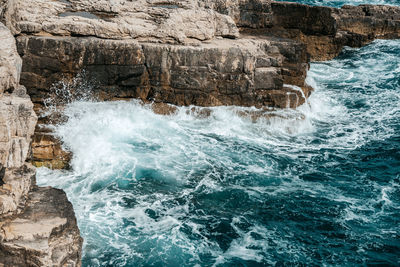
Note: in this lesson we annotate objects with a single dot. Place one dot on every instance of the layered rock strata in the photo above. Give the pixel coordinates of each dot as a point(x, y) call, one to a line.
point(37, 225)
point(247, 72)
point(183, 52)
point(192, 52)
point(188, 52)
point(326, 30)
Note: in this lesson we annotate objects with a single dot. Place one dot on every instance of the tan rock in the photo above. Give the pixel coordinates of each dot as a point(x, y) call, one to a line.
point(44, 234)
point(176, 21)
point(17, 125)
point(15, 186)
point(10, 62)
point(47, 151)
point(37, 227)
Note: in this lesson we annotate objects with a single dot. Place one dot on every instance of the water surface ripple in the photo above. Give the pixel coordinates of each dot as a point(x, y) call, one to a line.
point(225, 190)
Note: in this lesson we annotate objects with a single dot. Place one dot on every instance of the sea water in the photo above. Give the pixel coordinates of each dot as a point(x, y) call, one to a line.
point(319, 185)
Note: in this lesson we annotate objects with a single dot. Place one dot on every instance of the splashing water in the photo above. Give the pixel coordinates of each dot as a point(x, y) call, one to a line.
point(319, 186)
point(66, 91)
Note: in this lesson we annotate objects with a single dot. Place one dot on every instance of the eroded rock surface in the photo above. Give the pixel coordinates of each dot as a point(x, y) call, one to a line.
point(161, 21)
point(248, 72)
point(17, 124)
point(326, 30)
point(10, 62)
point(37, 225)
point(16, 184)
point(44, 234)
point(190, 52)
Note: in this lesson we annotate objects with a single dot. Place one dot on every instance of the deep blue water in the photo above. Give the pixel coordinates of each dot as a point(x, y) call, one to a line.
point(319, 185)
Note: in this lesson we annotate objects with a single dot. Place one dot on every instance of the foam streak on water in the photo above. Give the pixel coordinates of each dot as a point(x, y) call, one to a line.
point(228, 190)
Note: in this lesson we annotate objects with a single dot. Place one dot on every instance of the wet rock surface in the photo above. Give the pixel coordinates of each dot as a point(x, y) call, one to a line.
point(194, 52)
point(191, 52)
point(245, 72)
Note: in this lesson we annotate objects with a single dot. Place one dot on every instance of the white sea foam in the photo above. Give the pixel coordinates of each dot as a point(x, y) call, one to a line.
point(137, 176)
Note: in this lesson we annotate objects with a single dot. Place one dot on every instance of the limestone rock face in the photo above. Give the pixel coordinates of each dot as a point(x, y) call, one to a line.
point(326, 30)
point(160, 21)
point(44, 234)
point(245, 72)
point(15, 186)
point(47, 151)
point(10, 62)
point(17, 125)
point(246, 13)
point(37, 225)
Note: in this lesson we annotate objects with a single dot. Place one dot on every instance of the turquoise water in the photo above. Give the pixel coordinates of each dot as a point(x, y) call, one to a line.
point(319, 185)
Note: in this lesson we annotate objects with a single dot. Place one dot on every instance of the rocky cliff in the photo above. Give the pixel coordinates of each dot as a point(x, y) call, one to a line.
point(326, 30)
point(200, 52)
point(183, 52)
point(193, 52)
point(37, 224)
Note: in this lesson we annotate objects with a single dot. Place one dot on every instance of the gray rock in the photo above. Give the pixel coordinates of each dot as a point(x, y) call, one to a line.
point(17, 125)
point(37, 225)
point(44, 234)
point(17, 118)
point(186, 22)
point(15, 184)
point(10, 62)
point(219, 72)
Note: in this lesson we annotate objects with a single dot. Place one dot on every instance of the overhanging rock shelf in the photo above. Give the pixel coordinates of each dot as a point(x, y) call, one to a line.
point(189, 52)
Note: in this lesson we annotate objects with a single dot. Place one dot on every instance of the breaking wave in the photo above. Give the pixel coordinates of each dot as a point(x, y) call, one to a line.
point(319, 185)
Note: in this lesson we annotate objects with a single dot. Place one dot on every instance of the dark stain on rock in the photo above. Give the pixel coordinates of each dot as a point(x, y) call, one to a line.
point(83, 14)
point(2, 173)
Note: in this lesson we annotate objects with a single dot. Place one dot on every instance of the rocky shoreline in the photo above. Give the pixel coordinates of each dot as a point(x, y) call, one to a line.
point(37, 224)
point(193, 52)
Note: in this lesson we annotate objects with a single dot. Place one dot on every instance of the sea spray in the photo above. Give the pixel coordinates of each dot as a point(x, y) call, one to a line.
point(318, 185)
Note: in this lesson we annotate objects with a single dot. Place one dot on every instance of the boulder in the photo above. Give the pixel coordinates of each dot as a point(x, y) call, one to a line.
point(44, 234)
